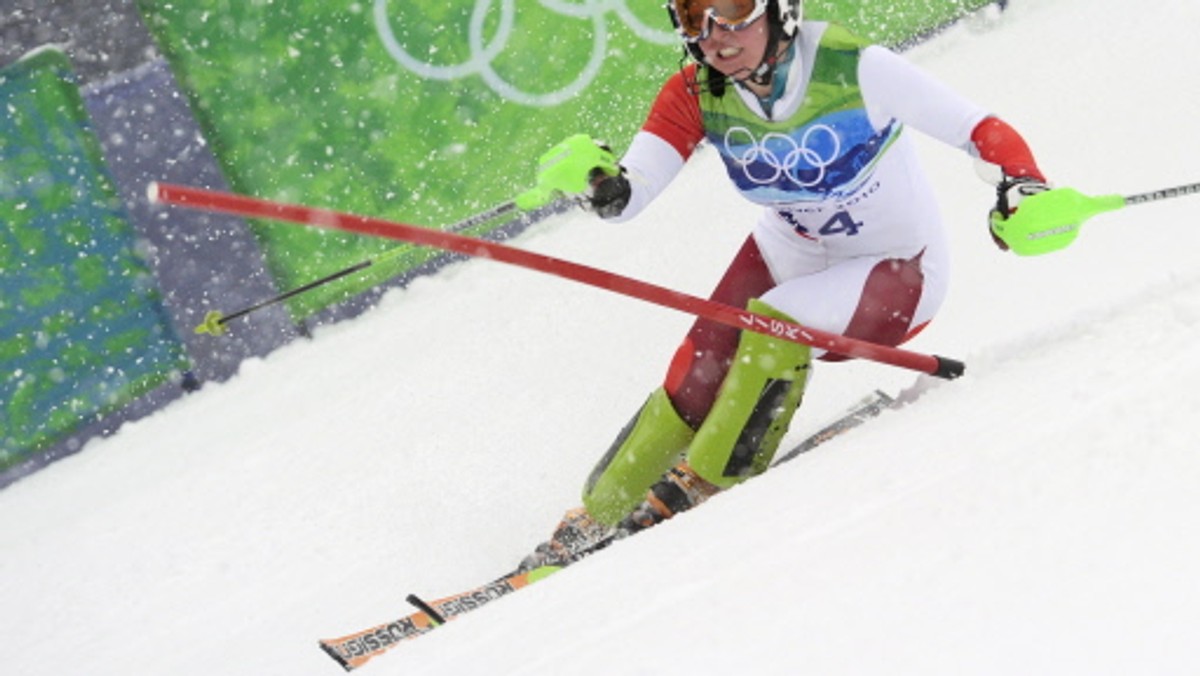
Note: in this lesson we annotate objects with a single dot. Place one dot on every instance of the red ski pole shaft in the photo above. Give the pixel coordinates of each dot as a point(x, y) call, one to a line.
point(241, 205)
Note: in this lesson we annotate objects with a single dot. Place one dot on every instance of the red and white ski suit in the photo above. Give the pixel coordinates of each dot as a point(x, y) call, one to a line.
point(870, 262)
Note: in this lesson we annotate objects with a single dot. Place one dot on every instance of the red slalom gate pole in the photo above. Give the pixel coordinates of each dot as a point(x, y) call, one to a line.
point(241, 205)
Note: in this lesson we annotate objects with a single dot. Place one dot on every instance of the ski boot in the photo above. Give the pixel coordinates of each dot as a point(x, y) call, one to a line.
point(679, 490)
point(576, 536)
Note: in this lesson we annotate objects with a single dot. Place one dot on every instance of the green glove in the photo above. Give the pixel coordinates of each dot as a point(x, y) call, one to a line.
point(1049, 220)
point(568, 169)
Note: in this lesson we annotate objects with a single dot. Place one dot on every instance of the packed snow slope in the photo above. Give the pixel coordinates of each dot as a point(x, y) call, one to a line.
point(1039, 516)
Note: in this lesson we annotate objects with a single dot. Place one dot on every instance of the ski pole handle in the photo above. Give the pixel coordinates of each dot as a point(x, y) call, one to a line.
point(1051, 220)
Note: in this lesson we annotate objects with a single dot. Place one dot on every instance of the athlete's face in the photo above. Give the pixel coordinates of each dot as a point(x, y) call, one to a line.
point(736, 53)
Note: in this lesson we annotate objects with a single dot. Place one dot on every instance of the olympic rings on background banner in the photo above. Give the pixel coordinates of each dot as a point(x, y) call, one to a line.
point(484, 52)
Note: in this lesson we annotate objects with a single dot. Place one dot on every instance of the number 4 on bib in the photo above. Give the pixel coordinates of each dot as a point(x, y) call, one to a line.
point(840, 224)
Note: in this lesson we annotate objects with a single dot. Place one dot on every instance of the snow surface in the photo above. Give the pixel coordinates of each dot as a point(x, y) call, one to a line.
point(1040, 515)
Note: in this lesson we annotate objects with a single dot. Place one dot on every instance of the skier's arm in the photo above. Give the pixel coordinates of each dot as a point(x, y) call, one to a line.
point(667, 139)
point(650, 164)
point(581, 166)
point(1010, 167)
point(893, 88)
point(995, 142)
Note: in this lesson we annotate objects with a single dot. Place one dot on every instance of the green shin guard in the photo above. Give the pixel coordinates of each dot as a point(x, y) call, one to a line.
point(754, 407)
point(650, 445)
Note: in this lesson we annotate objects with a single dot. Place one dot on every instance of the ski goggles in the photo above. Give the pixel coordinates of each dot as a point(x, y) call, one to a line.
point(694, 19)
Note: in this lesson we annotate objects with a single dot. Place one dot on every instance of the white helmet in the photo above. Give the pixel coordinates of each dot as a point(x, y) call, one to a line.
point(789, 14)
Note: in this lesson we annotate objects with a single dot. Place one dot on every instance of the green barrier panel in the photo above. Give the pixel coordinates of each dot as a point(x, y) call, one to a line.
point(82, 329)
point(426, 111)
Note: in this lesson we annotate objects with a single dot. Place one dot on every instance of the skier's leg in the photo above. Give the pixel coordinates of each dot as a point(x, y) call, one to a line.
point(752, 411)
point(648, 446)
point(880, 300)
point(662, 430)
point(702, 360)
point(754, 408)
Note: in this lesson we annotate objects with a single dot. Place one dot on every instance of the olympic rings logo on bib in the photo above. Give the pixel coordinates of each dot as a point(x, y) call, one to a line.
point(776, 155)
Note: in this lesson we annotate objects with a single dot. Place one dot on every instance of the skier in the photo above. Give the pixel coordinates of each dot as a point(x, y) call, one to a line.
point(813, 124)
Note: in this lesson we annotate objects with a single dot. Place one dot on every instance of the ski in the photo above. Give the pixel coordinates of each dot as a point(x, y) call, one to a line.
point(866, 408)
point(354, 650)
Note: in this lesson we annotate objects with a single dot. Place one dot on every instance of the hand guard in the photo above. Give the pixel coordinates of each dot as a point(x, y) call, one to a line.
point(1009, 193)
point(580, 166)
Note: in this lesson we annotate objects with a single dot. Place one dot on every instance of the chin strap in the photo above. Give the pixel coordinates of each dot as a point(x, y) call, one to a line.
point(706, 79)
point(765, 71)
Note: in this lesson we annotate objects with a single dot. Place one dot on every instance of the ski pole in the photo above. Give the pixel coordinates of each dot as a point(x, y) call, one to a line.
point(1050, 220)
point(215, 321)
point(241, 205)
point(1168, 193)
